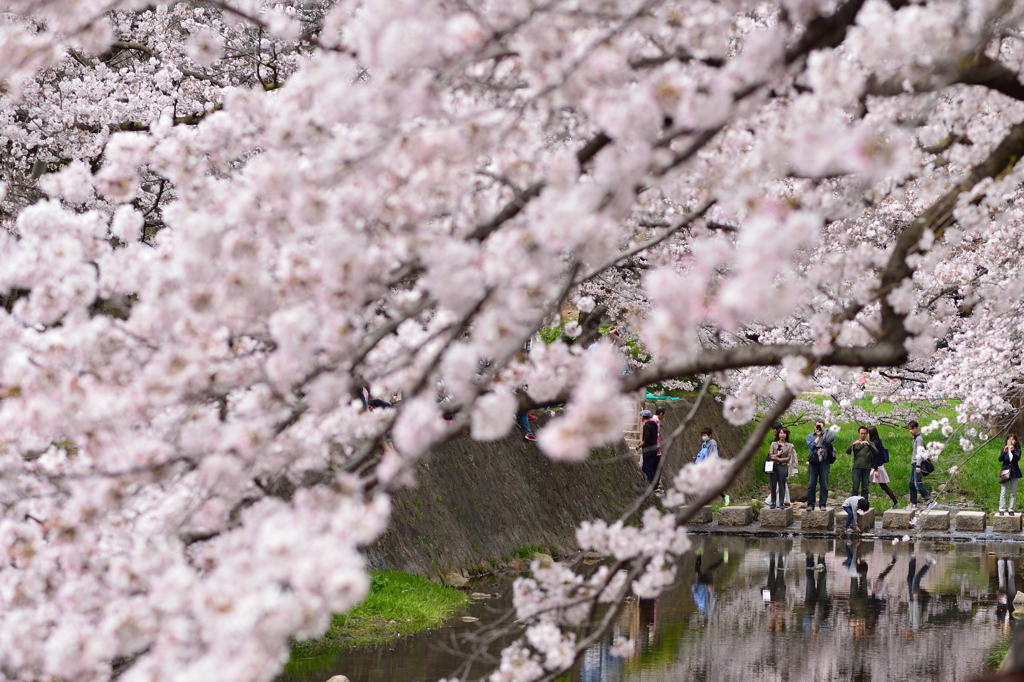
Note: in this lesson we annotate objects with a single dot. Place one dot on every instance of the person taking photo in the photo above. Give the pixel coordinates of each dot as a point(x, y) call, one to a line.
point(821, 455)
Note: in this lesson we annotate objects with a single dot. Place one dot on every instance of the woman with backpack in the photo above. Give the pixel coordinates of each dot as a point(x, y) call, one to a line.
point(709, 448)
point(1010, 470)
point(878, 461)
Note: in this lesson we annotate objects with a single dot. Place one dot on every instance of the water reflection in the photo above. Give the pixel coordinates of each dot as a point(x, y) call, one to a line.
point(778, 609)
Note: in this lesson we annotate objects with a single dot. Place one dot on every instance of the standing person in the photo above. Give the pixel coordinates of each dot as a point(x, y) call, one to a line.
point(862, 450)
point(649, 445)
point(659, 414)
point(822, 454)
point(878, 462)
point(776, 428)
point(918, 454)
point(781, 452)
point(1010, 457)
point(850, 506)
point(709, 448)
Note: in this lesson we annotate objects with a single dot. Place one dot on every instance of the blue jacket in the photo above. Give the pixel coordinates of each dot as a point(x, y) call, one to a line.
point(881, 456)
point(827, 438)
point(1011, 461)
point(709, 448)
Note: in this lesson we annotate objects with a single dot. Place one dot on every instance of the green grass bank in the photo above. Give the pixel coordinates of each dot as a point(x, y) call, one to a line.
point(398, 604)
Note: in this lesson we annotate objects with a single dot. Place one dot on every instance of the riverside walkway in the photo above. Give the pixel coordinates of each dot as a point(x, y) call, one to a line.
point(936, 524)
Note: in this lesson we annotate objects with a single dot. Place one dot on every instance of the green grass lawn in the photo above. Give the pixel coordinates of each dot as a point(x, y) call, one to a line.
point(398, 604)
point(977, 479)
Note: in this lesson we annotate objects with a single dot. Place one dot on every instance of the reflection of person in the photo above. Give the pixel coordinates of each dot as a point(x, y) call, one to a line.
point(857, 569)
point(816, 595)
point(876, 602)
point(703, 590)
point(776, 577)
point(918, 597)
point(776, 592)
point(1007, 590)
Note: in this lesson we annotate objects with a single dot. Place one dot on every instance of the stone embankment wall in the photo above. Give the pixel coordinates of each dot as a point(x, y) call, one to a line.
point(478, 503)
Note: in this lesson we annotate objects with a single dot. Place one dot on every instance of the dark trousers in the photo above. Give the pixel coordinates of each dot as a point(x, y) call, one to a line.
point(523, 419)
point(888, 491)
point(917, 486)
point(817, 474)
point(777, 481)
point(860, 480)
point(650, 465)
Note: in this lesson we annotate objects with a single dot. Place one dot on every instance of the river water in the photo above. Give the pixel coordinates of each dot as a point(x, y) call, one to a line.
point(768, 609)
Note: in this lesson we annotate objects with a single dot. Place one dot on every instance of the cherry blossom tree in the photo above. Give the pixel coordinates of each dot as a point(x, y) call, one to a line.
point(225, 218)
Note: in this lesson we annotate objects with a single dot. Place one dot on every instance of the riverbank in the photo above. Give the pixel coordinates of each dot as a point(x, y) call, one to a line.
point(399, 604)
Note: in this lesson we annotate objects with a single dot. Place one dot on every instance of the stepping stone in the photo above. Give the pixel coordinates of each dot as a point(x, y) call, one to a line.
point(776, 518)
point(971, 521)
point(1010, 523)
point(896, 519)
point(934, 520)
point(866, 520)
point(735, 516)
point(702, 517)
point(819, 519)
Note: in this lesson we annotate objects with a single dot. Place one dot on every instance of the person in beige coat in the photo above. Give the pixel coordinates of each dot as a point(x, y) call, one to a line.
point(782, 454)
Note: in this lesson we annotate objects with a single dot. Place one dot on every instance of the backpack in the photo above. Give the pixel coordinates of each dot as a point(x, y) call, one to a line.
point(830, 453)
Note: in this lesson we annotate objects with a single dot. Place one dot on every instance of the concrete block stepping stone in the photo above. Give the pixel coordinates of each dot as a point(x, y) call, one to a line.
point(819, 519)
point(1010, 523)
point(974, 522)
point(865, 519)
point(702, 517)
point(735, 516)
point(776, 518)
point(934, 520)
point(896, 519)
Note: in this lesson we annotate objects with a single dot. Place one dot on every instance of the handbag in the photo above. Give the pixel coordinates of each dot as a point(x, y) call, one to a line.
point(926, 467)
point(1004, 475)
point(769, 466)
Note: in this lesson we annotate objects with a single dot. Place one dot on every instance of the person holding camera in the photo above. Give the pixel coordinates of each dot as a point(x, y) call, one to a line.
point(822, 454)
point(1010, 471)
point(781, 454)
point(862, 450)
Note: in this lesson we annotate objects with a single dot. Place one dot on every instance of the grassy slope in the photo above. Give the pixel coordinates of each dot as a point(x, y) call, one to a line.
point(398, 604)
point(977, 479)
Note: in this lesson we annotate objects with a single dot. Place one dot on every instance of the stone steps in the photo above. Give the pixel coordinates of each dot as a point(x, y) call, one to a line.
point(741, 519)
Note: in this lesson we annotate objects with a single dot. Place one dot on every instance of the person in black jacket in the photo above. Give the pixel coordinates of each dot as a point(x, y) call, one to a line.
point(878, 461)
point(1010, 458)
point(649, 445)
